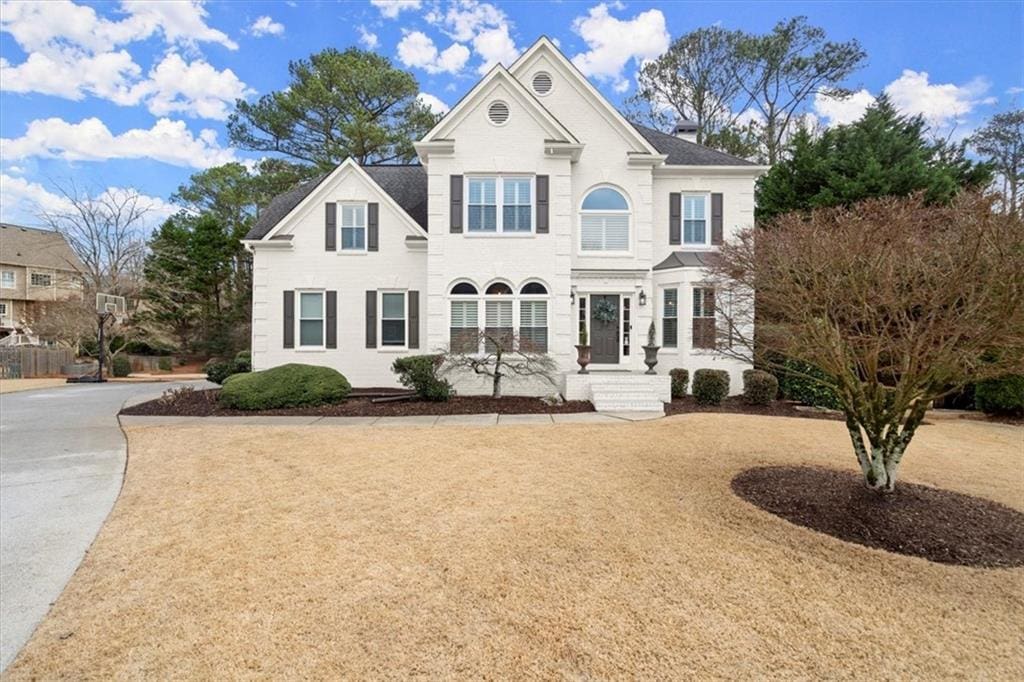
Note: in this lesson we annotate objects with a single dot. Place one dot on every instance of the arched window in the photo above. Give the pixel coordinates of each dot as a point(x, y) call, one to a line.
point(533, 318)
point(464, 328)
point(604, 221)
point(464, 289)
point(499, 289)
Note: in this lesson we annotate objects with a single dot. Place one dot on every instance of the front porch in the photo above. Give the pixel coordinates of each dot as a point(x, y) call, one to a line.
point(619, 390)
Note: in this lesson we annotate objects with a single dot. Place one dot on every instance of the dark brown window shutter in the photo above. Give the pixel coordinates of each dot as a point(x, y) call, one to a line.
point(373, 227)
point(716, 219)
point(331, 227)
point(455, 206)
point(543, 225)
point(289, 319)
point(414, 319)
point(332, 319)
point(371, 319)
point(675, 218)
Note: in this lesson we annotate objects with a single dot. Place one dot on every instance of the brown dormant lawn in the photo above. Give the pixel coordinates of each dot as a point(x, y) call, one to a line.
point(563, 551)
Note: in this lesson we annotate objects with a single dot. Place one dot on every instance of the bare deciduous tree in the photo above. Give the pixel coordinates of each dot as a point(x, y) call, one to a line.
point(65, 322)
point(897, 303)
point(504, 355)
point(1001, 143)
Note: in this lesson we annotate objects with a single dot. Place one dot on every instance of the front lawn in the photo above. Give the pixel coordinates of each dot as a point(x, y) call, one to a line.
point(564, 551)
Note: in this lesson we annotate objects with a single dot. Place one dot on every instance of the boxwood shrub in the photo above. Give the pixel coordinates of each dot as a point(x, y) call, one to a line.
point(419, 373)
point(710, 386)
point(164, 363)
point(291, 385)
point(1004, 395)
point(120, 366)
point(759, 387)
point(680, 380)
point(218, 370)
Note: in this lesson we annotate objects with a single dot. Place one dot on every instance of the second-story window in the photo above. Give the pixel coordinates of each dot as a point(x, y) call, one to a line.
point(39, 279)
point(353, 227)
point(7, 280)
point(695, 219)
point(604, 221)
point(499, 205)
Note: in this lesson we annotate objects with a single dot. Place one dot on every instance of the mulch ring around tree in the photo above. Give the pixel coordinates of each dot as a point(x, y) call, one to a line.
point(737, 405)
point(916, 520)
point(203, 403)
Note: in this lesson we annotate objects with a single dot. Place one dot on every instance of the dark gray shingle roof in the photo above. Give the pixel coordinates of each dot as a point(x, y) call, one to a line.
point(684, 153)
point(407, 185)
point(682, 259)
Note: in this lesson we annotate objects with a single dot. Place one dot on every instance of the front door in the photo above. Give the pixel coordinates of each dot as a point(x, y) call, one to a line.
point(604, 329)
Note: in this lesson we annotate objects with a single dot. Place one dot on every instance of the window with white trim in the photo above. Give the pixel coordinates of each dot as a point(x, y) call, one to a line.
point(392, 318)
point(604, 221)
point(40, 279)
point(695, 226)
point(533, 318)
point(670, 318)
point(703, 317)
point(499, 205)
point(353, 227)
point(498, 324)
point(3, 310)
point(7, 279)
point(311, 319)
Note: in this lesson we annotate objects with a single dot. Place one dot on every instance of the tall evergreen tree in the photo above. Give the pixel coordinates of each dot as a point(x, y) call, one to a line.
point(882, 154)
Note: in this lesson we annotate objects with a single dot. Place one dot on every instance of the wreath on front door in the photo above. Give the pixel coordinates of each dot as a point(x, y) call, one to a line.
point(606, 311)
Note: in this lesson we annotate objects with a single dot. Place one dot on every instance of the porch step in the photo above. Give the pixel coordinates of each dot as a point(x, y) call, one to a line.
point(625, 398)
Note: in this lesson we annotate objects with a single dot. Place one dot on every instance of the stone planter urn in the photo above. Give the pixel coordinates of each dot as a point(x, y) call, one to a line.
point(651, 358)
point(583, 358)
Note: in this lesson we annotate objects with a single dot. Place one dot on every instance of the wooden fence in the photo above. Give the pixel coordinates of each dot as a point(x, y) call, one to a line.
point(26, 362)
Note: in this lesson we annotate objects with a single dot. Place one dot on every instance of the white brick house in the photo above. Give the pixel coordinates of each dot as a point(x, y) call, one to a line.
point(535, 203)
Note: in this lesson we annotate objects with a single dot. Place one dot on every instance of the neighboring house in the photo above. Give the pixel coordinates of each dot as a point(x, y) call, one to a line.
point(537, 208)
point(36, 266)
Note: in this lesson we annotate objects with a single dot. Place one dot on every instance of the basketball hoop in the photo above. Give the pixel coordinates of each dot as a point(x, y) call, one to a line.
point(109, 305)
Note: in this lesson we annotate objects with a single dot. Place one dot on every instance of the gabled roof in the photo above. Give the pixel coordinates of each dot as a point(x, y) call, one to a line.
point(685, 153)
point(407, 185)
point(34, 247)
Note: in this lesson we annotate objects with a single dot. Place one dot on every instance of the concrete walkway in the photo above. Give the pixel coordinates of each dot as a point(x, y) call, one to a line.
point(417, 420)
point(62, 459)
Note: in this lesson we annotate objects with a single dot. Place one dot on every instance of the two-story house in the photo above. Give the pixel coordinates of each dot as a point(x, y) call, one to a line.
point(536, 208)
point(36, 266)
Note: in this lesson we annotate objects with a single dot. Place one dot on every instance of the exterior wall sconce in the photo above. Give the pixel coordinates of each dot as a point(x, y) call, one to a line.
point(572, 297)
point(643, 298)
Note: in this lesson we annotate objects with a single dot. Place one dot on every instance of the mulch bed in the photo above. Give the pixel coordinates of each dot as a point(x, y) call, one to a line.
point(736, 405)
point(204, 404)
point(916, 520)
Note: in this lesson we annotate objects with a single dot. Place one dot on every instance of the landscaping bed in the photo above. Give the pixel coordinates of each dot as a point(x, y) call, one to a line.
point(204, 404)
point(917, 520)
point(737, 405)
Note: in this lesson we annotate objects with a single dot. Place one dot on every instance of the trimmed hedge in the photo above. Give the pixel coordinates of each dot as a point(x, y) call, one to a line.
point(710, 386)
point(1004, 395)
point(218, 371)
point(805, 390)
point(759, 387)
point(419, 372)
point(164, 363)
point(291, 385)
point(120, 366)
point(680, 380)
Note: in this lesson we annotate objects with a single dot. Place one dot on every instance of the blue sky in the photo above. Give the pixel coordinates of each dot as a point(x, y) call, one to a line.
point(135, 93)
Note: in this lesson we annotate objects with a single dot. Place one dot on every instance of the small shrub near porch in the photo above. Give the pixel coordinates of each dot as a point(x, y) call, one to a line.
point(759, 387)
point(291, 385)
point(710, 386)
point(419, 373)
point(680, 380)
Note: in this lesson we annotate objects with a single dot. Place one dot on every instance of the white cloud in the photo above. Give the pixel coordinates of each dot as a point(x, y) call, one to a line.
point(264, 26)
point(482, 24)
point(367, 38)
point(90, 140)
point(391, 8)
point(433, 103)
point(24, 200)
point(109, 75)
point(943, 105)
point(194, 88)
point(1015, 90)
point(843, 111)
point(615, 42)
point(418, 50)
point(38, 26)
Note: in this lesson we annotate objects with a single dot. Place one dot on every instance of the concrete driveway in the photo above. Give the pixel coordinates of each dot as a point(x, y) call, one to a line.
point(62, 458)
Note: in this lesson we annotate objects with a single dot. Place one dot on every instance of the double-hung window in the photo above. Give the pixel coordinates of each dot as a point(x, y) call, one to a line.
point(353, 227)
point(392, 318)
point(311, 319)
point(703, 317)
point(499, 205)
point(7, 279)
point(670, 318)
point(695, 224)
point(604, 222)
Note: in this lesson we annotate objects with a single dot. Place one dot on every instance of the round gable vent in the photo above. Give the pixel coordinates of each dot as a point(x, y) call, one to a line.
point(542, 83)
point(498, 113)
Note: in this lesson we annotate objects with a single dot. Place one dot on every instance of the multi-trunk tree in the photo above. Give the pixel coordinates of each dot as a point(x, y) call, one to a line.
point(896, 301)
